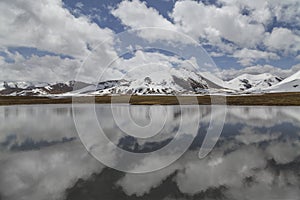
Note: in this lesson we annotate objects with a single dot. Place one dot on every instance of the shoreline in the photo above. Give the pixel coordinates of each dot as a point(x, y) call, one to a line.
point(269, 99)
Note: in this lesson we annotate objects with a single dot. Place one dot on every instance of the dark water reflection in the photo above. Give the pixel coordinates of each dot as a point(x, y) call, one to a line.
point(257, 157)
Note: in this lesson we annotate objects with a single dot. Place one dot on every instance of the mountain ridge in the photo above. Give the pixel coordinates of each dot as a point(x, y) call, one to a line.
point(175, 83)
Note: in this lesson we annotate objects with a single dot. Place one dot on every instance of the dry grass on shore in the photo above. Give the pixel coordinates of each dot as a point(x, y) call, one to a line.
point(272, 99)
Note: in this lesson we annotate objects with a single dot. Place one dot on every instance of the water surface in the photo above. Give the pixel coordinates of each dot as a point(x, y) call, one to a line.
point(256, 157)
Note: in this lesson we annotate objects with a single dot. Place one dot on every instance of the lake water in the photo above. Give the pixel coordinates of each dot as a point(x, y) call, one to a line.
point(42, 156)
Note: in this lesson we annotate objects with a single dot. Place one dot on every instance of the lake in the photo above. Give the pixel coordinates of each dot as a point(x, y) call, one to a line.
point(43, 152)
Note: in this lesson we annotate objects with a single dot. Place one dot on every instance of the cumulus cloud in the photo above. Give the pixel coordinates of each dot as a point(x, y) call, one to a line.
point(287, 11)
point(249, 56)
point(136, 14)
point(49, 26)
point(284, 40)
point(238, 29)
point(46, 68)
point(155, 64)
point(228, 74)
point(234, 28)
point(213, 23)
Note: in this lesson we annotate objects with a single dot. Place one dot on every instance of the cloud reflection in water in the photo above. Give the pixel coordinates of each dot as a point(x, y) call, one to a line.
point(257, 157)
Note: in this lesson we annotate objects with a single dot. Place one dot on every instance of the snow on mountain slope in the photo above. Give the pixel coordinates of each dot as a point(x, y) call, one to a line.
point(214, 81)
point(163, 81)
point(249, 82)
point(23, 88)
point(21, 84)
point(156, 80)
point(2, 86)
point(290, 84)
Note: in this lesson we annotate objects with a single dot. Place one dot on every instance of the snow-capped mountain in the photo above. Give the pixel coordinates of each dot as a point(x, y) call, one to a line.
point(18, 87)
point(26, 88)
point(249, 82)
point(21, 84)
point(290, 84)
point(165, 81)
point(171, 82)
point(147, 86)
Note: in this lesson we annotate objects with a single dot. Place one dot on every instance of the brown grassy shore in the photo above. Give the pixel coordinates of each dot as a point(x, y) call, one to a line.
point(274, 99)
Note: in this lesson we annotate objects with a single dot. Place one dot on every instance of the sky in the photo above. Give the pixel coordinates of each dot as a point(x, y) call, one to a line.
point(48, 40)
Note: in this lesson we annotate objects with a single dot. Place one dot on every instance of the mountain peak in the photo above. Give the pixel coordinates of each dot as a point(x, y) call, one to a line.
point(251, 82)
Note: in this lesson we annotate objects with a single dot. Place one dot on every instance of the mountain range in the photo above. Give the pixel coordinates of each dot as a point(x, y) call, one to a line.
point(174, 82)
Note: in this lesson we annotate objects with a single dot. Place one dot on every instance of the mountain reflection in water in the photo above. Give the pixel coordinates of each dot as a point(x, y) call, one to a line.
point(256, 157)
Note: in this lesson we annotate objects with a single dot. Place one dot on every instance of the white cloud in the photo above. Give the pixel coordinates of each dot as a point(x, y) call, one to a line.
point(287, 11)
point(213, 23)
point(225, 27)
point(284, 40)
point(136, 14)
point(33, 24)
point(227, 74)
point(49, 26)
point(52, 68)
point(258, 11)
point(46, 68)
point(249, 56)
